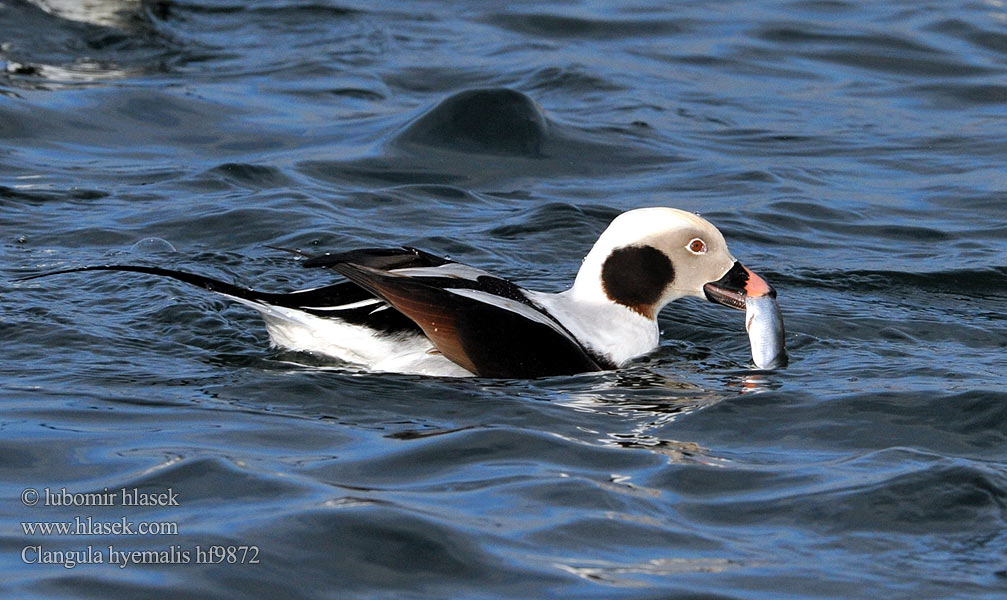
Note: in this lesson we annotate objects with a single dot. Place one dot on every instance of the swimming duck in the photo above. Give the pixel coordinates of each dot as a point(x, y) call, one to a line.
point(405, 310)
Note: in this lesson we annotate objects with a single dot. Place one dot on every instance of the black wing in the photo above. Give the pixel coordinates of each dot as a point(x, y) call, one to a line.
point(484, 323)
point(384, 259)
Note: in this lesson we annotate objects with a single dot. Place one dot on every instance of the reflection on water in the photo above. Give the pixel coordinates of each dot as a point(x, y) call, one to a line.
point(635, 574)
point(649, 402)
point(111, 13)
point(56, 77)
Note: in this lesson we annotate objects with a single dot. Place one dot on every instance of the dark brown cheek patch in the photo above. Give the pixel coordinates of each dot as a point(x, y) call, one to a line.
point(636, 276)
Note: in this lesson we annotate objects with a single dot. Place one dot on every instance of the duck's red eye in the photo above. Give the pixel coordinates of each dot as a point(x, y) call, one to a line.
point(697, 246)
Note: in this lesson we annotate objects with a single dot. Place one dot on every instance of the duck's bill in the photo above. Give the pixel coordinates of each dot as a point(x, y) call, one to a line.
point(744, 290)
point(736, 285)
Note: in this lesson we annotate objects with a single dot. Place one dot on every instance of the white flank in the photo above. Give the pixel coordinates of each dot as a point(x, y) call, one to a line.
point(297, 330)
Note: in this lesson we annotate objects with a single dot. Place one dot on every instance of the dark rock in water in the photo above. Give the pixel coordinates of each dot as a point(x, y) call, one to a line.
point(482, 135)
point(488, 121)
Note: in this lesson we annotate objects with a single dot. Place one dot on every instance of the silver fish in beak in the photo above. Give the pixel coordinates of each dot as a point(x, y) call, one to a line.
point(765, 332)
point(742, 289)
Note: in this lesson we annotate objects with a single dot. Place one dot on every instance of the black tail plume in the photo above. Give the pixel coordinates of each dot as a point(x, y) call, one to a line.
point(213, 285)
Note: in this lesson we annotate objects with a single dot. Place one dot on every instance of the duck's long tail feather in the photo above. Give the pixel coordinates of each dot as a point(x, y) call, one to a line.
point(207, 283)
point(344, 300)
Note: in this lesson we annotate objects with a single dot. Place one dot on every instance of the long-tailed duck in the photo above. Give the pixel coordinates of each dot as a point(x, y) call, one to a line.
point(405, 310)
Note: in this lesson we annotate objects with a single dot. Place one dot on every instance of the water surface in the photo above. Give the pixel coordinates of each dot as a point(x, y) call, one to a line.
point(852, 153)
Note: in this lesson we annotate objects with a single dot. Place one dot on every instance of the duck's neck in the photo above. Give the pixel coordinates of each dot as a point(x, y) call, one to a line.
point(608, 329)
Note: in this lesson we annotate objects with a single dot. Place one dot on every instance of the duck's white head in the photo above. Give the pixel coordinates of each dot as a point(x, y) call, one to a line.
point(649, 257)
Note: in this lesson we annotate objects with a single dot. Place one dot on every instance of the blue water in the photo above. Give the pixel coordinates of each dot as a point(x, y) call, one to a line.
point(852, 154)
